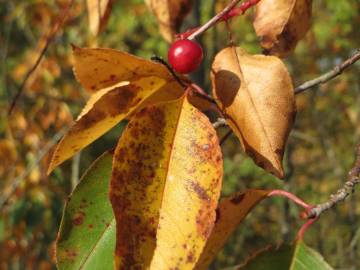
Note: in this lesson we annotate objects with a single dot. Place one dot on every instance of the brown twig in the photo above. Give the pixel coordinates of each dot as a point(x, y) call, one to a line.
point(336, 71)
point(59, 23)
point(226, 136)
point(5, 195)
point(349, 188)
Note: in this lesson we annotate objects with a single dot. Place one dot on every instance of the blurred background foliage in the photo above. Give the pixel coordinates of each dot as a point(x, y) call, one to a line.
point(319, 152)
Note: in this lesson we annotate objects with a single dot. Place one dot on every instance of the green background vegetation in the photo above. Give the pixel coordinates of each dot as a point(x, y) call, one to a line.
point(319, 152)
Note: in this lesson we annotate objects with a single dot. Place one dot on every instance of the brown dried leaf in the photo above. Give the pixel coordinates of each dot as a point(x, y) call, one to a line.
point(166, 181)
point(256, 95)
point(169, 14)
point(98, 68)
point(98, 12)
point(281, 24)
point(230, 213)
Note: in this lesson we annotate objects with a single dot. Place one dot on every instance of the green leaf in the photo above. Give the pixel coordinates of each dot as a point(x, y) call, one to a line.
point(87, 231)
point(287, 257)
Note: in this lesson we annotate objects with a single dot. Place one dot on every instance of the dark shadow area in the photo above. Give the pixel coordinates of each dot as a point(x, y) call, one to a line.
point(227, 84)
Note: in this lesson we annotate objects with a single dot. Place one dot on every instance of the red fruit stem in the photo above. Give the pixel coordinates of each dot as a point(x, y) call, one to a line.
point(304, 228)
point(214, 19)
point(201, 93)
point(240, 10)
point(186, 34)
point(292, 197)
point(227, 13)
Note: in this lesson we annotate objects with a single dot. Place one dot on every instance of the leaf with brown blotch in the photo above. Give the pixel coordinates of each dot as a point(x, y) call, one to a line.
point(256, 95)
point(99, 68)
point(98, 13)
point(103, 114)
point(96, 96)
point(281, 24)
point(170, 15)
point(166, 181)
point(230, 213)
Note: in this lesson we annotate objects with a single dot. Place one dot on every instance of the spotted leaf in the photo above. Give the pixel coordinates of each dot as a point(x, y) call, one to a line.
point(99, 68)
point(166, 180)
point(230, 213)
point(104, 111)
point(87, 232)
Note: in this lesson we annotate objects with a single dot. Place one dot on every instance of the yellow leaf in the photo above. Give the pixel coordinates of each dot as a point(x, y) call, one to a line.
point(96, 96)
point(170, 14)
point(103, 114)
point(256, 95)
point(98, 12)
point(166, 181)
point(281, 24)
point(98, 68)
point(230, 213)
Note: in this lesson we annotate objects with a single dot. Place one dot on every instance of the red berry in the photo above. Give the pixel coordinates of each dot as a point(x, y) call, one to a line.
point(185, 55)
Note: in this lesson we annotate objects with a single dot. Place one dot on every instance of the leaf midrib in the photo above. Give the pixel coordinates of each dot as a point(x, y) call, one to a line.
point(83, 262)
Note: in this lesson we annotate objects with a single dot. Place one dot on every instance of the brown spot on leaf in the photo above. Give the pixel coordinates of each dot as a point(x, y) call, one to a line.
point(78, 218)
point(238, 199)
point(190, 257)
point(217, 215)
point(199, 190)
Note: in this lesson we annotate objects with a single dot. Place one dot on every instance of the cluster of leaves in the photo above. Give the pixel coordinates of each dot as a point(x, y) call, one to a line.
point(169, 158)
point(105, 216)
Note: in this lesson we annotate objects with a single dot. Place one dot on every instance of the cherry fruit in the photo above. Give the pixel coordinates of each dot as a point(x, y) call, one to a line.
point(185, 55)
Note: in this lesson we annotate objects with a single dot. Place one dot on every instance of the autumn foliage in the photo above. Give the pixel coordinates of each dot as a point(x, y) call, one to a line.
point(154, 201)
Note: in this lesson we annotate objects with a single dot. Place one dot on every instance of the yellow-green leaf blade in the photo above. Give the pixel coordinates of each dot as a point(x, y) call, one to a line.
point(165, 186)
point(230, 213)
point(287, 257)
point(87, 231)
point(105, 113)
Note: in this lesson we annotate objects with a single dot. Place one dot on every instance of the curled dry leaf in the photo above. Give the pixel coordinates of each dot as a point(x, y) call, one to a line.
point(102, 114)
point(256, 95)
point(98, 68)
point(230, 213)
point(166, 181)
point(98, 13)
point(169, 14)
point(281, 24)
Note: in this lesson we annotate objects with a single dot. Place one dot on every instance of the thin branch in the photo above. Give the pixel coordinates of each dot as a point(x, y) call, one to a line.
point(226, 136)
point(59, 23)
point(304, 228)
point(75, 169)
point(336, 71)
point(290, 196)
point(349, 188)
point(32, 165)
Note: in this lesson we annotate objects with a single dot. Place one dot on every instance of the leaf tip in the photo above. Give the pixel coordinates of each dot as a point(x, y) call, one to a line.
point(74, 47)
